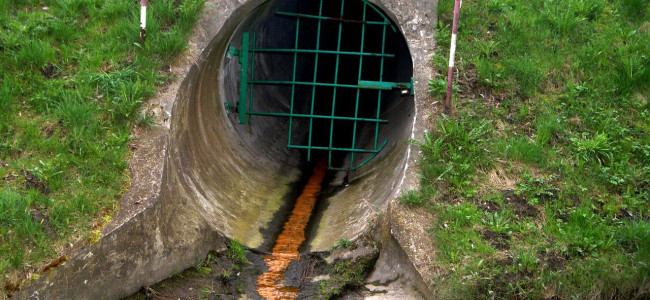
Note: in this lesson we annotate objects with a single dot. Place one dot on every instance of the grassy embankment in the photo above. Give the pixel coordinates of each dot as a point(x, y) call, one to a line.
point(72, 78)
point(540, 180)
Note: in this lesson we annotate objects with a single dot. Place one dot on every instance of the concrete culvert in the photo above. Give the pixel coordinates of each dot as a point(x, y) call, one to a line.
point(201, 177)
point(241, 173)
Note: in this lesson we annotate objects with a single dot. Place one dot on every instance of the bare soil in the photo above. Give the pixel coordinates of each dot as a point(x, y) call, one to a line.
point(519, 204)
point(500, 241)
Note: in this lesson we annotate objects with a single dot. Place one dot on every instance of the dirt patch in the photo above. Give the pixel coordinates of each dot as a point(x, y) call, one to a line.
point(496, 285)
point(40, 217)
point(11, 288)
point(488, 206)
point(468, 79)
point(10, 177)
point(54, 264)
point(50, 71)
point(498, 240)
point(624, 215)
point(34, 183)
point(218, 277)
point(555, 261)
point(498, 178)
point(519, 204)
point(345, 275)
point(645, 27)
point(472, 87)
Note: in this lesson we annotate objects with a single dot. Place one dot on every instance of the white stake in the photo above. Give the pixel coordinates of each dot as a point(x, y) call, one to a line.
point(452, 54)
point(143, 20)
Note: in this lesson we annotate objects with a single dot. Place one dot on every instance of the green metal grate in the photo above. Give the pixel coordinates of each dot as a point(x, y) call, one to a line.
point(247, 82)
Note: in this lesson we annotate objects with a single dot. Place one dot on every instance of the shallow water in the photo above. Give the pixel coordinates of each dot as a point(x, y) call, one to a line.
point(285, 250)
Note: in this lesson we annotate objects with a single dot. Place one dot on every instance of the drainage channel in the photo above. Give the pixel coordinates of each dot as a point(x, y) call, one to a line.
point(270, 284)
point(288, 270)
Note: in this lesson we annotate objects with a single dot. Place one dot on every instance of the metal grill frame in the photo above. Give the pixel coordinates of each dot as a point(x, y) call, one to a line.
point(245, 103)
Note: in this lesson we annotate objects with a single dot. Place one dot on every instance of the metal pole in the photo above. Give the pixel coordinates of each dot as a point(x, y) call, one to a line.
point(313, 90)
point(143, 20)
point(452, 54)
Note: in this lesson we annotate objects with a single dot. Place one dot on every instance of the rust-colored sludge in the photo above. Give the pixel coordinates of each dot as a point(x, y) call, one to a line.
point(269, 284)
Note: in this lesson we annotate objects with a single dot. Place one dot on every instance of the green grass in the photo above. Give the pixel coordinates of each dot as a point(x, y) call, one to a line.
point(412, 197)
point(540, 180)
point(342, 243)
point(72, 80)
point(237, 251)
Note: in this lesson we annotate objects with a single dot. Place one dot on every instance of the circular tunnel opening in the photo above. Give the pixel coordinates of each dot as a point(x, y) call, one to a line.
point(237, 167)
point(328, 77)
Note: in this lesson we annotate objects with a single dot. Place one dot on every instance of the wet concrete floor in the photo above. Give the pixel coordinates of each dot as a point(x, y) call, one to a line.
point(285, 272)
point(270, 284)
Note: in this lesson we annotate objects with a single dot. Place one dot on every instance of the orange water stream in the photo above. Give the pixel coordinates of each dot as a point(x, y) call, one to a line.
point(285, 250)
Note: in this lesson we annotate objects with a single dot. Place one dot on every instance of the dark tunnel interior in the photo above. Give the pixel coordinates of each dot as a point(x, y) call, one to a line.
point(276, 31)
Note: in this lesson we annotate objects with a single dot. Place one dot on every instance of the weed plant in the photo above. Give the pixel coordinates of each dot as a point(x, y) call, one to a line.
point(72, 79)
point(539, 181)
point(412, 197)
point(237, 251)
point(342, 243)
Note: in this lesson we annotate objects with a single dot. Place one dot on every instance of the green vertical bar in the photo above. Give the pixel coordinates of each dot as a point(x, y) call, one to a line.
point(313, 91)
point(252, 62)
point(381, 78)
point(243, 77)
point(293, 78)
point(336, 78)
point(356, 108)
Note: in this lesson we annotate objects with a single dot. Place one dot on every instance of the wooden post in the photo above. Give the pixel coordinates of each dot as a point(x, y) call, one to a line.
point(452, 54)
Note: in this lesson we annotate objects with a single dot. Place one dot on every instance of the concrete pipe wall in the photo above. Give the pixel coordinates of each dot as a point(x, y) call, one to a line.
point(239, 174)
point(200, 178)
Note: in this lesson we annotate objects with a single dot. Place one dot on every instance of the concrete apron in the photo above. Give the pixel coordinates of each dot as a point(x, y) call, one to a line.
point(195, 182)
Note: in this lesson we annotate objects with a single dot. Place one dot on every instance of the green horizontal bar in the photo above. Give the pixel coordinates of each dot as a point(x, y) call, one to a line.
point(383, 85)
point(281, 82)
point(288, 82)
point(363, 84)
point(272, 114)
point(374, 153)
point(323, 52)
point(308, 16)
point(334, 149)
